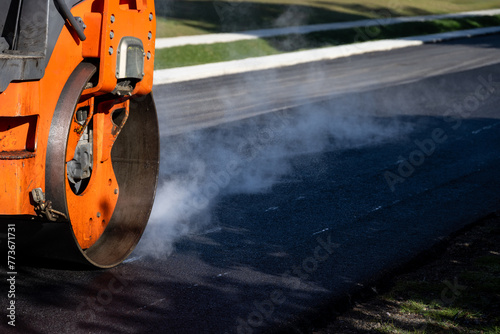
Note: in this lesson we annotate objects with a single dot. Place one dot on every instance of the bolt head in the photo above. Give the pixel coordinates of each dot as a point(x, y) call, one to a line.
point(150, 16)
point(111, 50)
point(112, 18)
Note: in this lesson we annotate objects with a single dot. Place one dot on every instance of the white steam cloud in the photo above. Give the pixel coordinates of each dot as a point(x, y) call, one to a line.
point(248, 156)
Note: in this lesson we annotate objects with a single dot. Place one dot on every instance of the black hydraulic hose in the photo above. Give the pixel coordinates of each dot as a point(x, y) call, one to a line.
point(66, 14)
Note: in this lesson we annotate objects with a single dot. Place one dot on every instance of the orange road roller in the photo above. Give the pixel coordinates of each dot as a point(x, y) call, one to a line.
point(79, 140)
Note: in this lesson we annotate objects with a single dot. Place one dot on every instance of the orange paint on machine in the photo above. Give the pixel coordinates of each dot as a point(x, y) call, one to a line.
point(79, 142)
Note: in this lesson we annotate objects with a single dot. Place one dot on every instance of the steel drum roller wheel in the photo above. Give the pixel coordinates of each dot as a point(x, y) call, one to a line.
point(101, 172)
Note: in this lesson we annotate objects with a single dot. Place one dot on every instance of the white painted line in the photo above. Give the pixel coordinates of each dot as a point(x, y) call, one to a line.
point(162, 43)
point(188, 73)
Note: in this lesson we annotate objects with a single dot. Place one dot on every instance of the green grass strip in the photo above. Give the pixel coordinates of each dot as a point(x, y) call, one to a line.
point(195, 17)
point(203, 54)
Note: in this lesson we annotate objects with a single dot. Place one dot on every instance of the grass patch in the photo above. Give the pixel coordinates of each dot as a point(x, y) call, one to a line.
point(391, 328)
point(459, 310)
point(203, 54)
point(180, 18)
point(469, 303)
point(181, 27)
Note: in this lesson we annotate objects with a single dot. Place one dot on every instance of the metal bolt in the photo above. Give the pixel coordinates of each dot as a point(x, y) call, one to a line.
point(116, 191)
point(80, 20)
point(150, 35)
point(110, 50)
point(149, 55)
point(98, 215)
point(112, 34)
point(112, 18)
point(150, 16)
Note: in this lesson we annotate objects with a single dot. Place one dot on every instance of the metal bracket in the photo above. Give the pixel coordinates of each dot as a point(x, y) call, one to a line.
point(76, 23)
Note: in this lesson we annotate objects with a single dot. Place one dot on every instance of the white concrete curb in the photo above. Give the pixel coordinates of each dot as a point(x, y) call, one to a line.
point(189, 73)
point(162, 43)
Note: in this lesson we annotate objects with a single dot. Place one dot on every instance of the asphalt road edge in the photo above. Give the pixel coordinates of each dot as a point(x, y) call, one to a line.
point(381, 283)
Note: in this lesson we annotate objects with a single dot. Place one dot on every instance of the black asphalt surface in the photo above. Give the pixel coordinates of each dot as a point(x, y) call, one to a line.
point(305, 183)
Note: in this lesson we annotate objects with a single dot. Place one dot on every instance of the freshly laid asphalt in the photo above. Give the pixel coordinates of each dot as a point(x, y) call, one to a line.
point(318, 177)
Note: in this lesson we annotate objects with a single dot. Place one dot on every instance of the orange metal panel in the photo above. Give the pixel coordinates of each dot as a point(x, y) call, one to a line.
point(135, 18)
point(93, 22)
point(34, 102)
point(98, 201)
point(17, 134)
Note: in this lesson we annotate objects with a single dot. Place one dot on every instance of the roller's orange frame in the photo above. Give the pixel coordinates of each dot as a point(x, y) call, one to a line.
point(27, 109)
